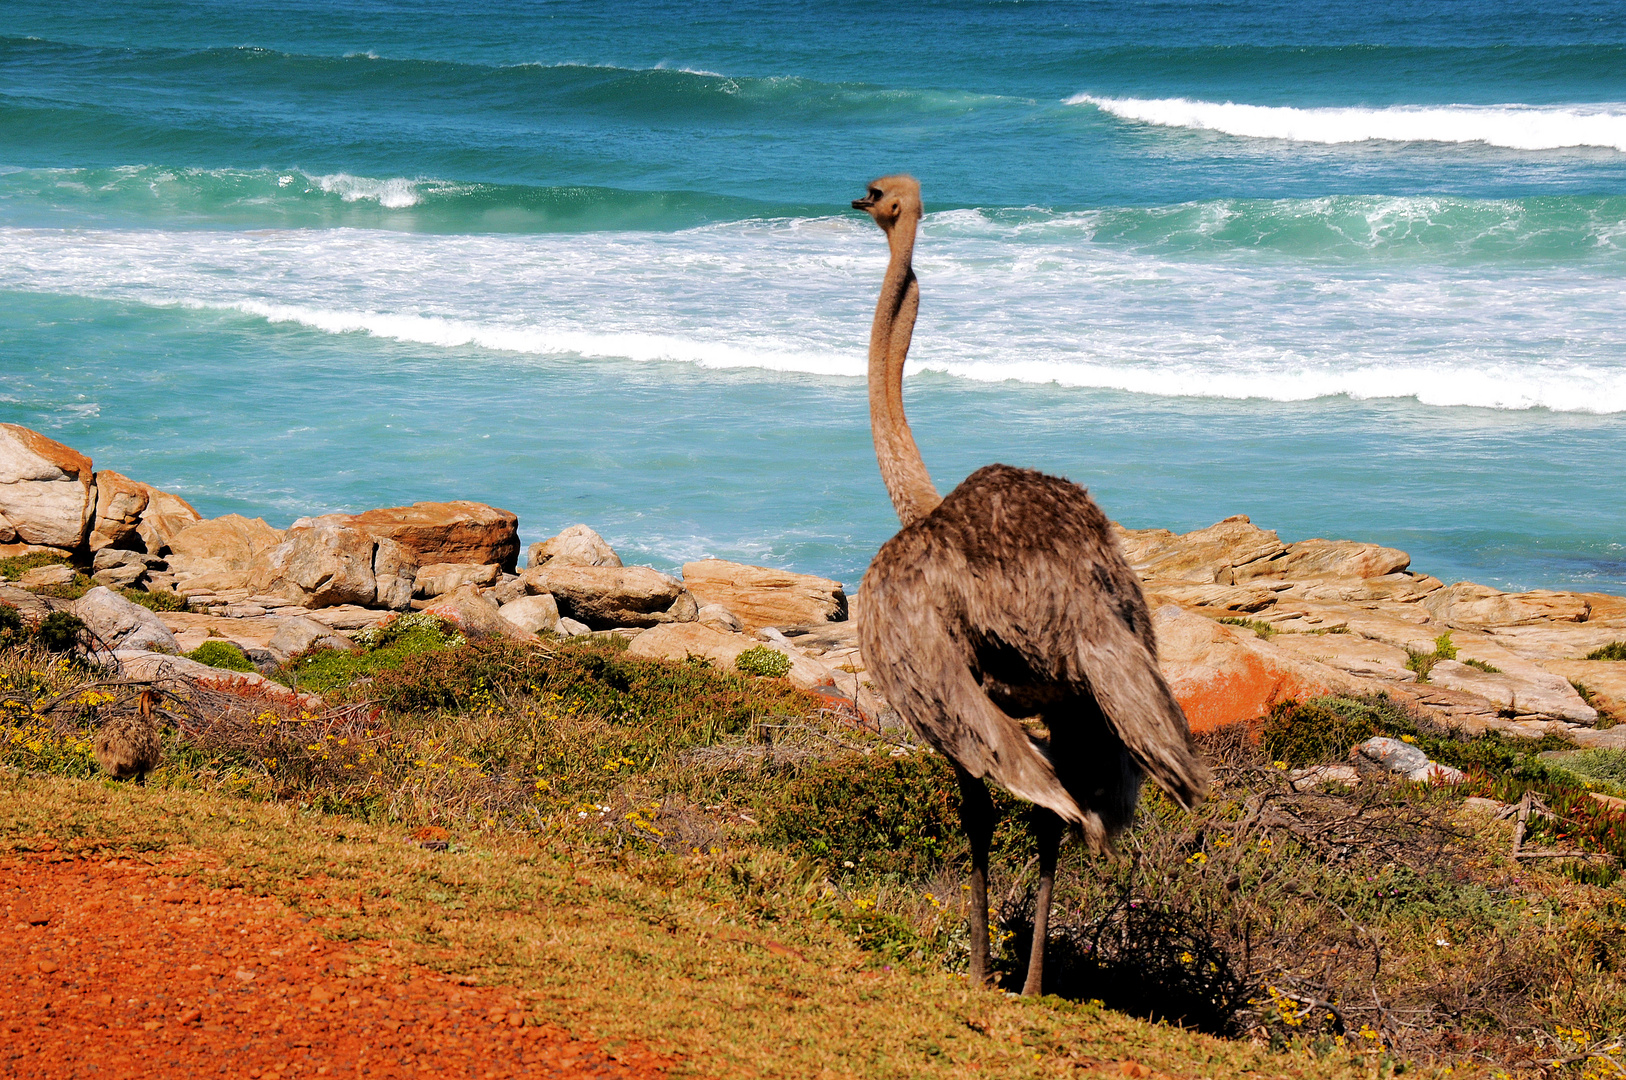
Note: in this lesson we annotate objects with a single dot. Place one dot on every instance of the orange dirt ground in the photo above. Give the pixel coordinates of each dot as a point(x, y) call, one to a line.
point(115, 969)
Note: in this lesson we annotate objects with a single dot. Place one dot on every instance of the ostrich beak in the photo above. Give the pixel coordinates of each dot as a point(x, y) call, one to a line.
point(865, 203)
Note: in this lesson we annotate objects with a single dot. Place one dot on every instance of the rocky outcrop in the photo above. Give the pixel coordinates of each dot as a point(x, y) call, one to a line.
point(295, 636)
point(165, 517)
point(130, 514)
point(440, 532)
point(183, 675)
point(437, 579)
point(1314, 559)
point(47, 495)
point(575, 546)
point(532, 614)
point(759, 596)
point(217, 553)
point(317, 567)
point(604, 597)
point(1477, 606)
point(395, 574)
point(679, 641)
point(476, 616)
point(120, 624)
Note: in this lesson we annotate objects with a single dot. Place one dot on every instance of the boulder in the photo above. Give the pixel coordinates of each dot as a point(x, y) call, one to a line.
point(395, 571)
point(679, 641)
point(1223, 674)
point(120, 624)
point(1383, 754)
point(121, 576)
point(474, 615)
point(437, 579)
point(441, 532)
point(1530, 690)
point(119, 504)
point(532, 614)
point(759, 596)
point(32, 607)
point(46, 490)
point(509, 587)
point(719, 618)
point(43, 577)
point(1605, 680)
point(318, 567)
point(182, 674)
point(222, 548)
point(1309, 559)
point(1207, 555)
point(604, 597)
point(572, 628)
point(165, 517)
point(298, 635)
point(1478, 606)
point(575, 546)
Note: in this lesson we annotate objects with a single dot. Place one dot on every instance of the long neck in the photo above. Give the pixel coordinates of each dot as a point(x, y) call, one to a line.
point(902, 469)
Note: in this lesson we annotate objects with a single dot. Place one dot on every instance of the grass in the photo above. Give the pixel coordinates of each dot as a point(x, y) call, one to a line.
point(157, 599)
point(1258, 626)
point(15, 566)
point(221, 654)
point(706, 859)
point(1615, 650)
point(1423, 663)
point(1489, 669)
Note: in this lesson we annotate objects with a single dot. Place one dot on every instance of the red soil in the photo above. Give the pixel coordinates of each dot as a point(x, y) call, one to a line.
point(116, 969)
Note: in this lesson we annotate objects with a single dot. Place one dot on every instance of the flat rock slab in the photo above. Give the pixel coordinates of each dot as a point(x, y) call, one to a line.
point(1352, 653)
point(192, 629)
point(679, 641)
point(760, 596)
point(1604, 679)
point(249, 986)
point(160, 667)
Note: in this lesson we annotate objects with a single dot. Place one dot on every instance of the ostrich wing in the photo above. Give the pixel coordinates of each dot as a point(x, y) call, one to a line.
point(1013, 596)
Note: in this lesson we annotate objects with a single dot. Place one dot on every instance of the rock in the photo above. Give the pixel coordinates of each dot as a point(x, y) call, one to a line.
point(318, 567)
point(120, 624)
point(678, 641)
point(1605, 680)
point(165, 517)
point(1223, 675)
point(437, 579)
point(1352, 653)
point(1207, 555)
point(474, 615)
point(110, 558)
point(1529, 691)
point(215, 554)
point(442, 532)
point(395, 571)
point(119, 504)
point(571, 628)
point(509, 587)
point(685, 608)
point(575, 546)
point(532, 614)
point(31, 606)
point(349, 617)
point(182, 673)
point(719, 618)
point(759, 596)
point(46, 490)
point(607, 596)
point(1486, 807)
point(253, 636)
point(1476, 606)
point(1324, 774)
point(1383, 754)
point(125, 576)
point(295, 636)
point(42, 577)
point(1308, 559)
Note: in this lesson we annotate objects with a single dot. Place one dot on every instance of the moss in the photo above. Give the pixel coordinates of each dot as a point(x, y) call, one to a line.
point(221, 654)
point(1615, 650)
point(763, 661)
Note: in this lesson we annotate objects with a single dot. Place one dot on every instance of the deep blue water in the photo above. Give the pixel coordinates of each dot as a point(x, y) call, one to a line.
point(1354, 270)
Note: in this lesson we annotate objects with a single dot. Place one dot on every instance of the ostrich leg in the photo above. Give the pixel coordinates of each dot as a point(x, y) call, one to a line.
point(977, 817)
point(1048, 828)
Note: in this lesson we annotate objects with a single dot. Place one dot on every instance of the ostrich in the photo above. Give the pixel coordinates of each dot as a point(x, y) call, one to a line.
point(128, 746)
point(1009, 599)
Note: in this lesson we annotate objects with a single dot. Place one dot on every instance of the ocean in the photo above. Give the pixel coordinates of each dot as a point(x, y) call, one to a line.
point(1357, 271)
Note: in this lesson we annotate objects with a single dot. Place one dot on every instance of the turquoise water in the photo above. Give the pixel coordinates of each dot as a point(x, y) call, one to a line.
point(1354, 273)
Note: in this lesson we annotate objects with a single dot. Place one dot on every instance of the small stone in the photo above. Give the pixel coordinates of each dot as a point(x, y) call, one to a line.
point(42, 577)
point(571, 628)
point(190, 1016)
point(48, 967)
point(1477, 805)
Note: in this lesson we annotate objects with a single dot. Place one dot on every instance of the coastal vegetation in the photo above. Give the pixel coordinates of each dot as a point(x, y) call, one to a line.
point(1307, 922)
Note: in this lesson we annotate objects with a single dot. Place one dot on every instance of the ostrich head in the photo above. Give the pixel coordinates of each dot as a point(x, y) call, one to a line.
point(891, 199)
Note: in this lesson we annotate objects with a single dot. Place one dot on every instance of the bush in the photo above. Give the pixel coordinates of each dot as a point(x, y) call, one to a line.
point(157, 599)
point(12, 627)
point(1309, 732)
point(61, 632)
point(763, 661)
point(16, 566)
point(385, 647)
point(221, 654)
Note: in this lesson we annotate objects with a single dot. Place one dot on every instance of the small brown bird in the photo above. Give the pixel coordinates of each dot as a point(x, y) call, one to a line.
point(128, 746)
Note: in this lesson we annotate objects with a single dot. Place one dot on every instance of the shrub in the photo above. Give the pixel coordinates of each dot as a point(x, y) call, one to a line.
point(221, 654)
point(763, 661)
point(157, 599)
point(385, 647)
point(1615, 650)
point(61, 632)
point(1307, 732)
point(16, 566)
point(12, 627)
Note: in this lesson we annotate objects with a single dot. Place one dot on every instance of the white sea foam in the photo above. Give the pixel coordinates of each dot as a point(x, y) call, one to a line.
point(1518, 127)
point(394, 193)
point(1002, 302)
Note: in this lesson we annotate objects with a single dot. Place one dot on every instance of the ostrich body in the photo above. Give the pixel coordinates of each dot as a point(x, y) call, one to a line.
point(1009, 599)
point(129, 746)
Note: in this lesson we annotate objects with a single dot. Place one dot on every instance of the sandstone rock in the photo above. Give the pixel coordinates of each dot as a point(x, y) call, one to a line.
point(42, 577)
point(119, 503)
point(532, 614)
point(124, 576)
point(120, 624)
point(1529, 691)
point(1398, 588)
point(1351, 653)
point(571, 628)
point(1323, 774)
point(295, 636)
point(685, 608)
point(216, 553)
point(1605, 680)
point(678, 641)
point(607, 596)
point(1383, 754)
point(719, 618)
point(442, 532)
point(192, 628)
point(575, 546)
point(349, 616)
point(317, 567)
point(181, 673)
point(509, 587)
point(1206, 555)
point(165, 517)
point(31, 606)
point(474, 615)
point(1468, 605)
point(436, 579)
point(395, 570)
point(1222, 674)
point(1326, 559)
point(759, 596)
point(1219, 598)
point(46, 492)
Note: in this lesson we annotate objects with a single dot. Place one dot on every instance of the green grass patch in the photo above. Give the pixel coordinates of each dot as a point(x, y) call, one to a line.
point(15, 566)
point(1258, 626)
point(1615, 650)
point(1489, 669)
point(221, 654)
point(763, 661)
point(157, 599)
